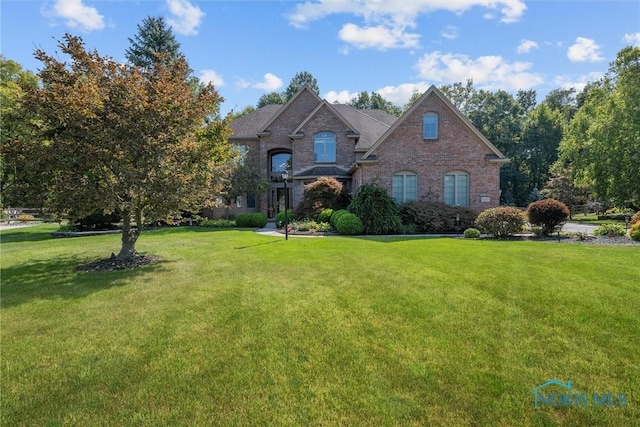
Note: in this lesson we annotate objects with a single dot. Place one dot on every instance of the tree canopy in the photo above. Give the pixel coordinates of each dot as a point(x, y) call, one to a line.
point(301, 78)
point(142, 144)
point(154, 37)
point(18, 166)
point(602, 144)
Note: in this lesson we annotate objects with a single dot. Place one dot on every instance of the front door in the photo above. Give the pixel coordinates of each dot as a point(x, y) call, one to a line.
point(282, 202)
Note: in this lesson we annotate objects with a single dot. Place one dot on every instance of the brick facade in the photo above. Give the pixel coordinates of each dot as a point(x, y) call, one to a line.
point(371, 148)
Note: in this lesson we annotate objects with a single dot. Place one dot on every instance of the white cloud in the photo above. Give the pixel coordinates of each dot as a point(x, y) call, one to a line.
point(77, 15)
point(525, 46)
point(488, 72)
point(579, 82)
point(210, 76)
point(400, 95)
point(633, 39)
point(270, 83)
point(584, 50)
point(341, 97)
point(450, 32)
point(185, 17)
point(387, 23)
point(378, 37)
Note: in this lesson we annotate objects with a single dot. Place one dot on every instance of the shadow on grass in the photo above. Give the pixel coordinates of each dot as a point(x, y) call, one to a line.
point(25, 234)
point(258, 244)
point(58, 278)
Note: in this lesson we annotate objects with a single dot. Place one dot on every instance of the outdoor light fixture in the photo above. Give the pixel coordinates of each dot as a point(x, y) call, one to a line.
point(285, 177)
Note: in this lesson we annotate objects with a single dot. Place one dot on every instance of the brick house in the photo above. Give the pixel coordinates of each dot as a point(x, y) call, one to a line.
point(432, 152)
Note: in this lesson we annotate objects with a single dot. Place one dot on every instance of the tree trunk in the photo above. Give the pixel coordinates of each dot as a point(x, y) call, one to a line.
point(129, 237)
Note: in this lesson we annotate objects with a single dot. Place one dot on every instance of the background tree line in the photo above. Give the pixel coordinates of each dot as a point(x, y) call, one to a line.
point(572, 146)
point(86, 135)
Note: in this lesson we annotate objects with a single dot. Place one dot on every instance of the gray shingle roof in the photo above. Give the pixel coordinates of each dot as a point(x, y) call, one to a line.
point(370, 124)
point(323, 171)
point(248, 126)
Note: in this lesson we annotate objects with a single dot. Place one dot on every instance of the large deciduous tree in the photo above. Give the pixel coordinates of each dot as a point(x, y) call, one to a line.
point(125, 139)
point(374, 101)
point(603, 141)
point(19, 177)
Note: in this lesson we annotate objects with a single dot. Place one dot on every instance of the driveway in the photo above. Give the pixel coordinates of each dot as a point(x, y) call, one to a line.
point(572, 227)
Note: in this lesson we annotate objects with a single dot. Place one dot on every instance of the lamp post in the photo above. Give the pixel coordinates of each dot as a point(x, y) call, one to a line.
point(285, 177)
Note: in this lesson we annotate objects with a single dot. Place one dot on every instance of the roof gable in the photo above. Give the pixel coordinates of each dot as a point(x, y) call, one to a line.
point(325, 105)
point(297, 99)
point(433, 91)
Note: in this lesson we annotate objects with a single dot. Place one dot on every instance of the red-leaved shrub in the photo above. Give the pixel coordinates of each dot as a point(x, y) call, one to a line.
point(548, 214)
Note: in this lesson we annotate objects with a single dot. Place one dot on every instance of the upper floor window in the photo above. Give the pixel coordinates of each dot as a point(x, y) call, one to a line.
point(324, 147)
point(281, 162)
point(404, 187)
point(456, 189)
point(430, 126)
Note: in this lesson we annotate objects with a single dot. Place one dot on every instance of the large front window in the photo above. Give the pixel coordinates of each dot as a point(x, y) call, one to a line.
point(456, 189)
point(405, 187)
point(324, 146)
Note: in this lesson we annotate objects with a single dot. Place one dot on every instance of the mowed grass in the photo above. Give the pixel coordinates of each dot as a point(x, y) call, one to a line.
point(234, 328)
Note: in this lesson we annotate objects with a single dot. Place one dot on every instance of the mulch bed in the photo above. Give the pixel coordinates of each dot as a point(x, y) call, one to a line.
point(115, 263)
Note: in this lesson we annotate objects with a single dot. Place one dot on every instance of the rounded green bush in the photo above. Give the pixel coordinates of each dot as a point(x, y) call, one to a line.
point(471, 233)
point(244, 220)
point(349, 223)
point(634, 233)
point(609, 230)
point(501, 222)
point(335, 216)
point(280, 218)
point(325, 215)
point(258, 219)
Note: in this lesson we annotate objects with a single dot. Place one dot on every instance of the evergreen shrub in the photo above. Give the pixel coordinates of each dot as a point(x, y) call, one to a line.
point(431, 217)
point(281, 216)
point(349, 224)
point(377, 210)
point(325, 215)
point(258, 219)
point(244, 220)
point(471, 233)
point(335, 216)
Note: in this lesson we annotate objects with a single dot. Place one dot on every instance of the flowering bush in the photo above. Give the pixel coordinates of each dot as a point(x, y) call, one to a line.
point(634, 233)
point(501, 222)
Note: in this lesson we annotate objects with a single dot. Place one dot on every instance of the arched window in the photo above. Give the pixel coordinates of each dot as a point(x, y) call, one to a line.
point(404, 187)
point(456, 189)
point(324, 147)
point(280, 162)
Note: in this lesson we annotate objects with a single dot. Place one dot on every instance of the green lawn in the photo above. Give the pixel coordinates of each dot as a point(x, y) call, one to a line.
point(234, 328)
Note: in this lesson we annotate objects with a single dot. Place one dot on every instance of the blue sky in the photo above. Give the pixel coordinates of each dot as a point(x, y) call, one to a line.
point(248, 48)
